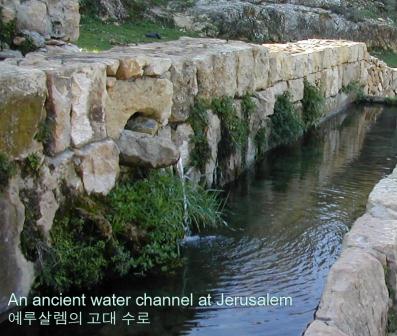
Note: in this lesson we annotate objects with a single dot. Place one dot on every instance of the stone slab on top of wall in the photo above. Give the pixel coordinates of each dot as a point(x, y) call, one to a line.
point(58, 19)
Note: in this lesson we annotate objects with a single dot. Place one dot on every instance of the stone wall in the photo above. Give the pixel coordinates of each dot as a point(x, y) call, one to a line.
point(85, 116)
point(355, 300)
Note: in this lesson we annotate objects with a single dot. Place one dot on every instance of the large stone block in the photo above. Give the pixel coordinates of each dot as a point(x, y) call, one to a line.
point(22, 97)
point(139, 149)
point(98, 166)
point(152, 97)
point(355, 299)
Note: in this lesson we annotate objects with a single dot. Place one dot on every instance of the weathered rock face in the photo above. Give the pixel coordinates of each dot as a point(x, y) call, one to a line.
point(50, 18)
point(98, 165)
point(22, 95)
point(289, 20)
point(138, 149)
point(18, 274)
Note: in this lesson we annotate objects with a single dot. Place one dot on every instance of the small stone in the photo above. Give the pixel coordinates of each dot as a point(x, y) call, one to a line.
point(10, 54)
point(143, 125)
point(19, 40)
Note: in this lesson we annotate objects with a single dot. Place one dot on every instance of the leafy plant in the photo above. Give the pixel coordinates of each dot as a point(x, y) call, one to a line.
point(286, 124)
point(43, 134)
point(313, 105)
point(156, 205)
point(7, 170)
point(248, 105)
point(7, 32)
point(261, 140)
point(355, 88)
point(32, 163)
point(75, 259)
point(198, 119)
point(234, 130)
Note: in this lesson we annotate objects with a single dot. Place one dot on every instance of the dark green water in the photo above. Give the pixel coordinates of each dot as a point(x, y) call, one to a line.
point(288, 218)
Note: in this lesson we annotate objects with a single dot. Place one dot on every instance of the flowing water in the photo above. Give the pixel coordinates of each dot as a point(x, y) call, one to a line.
point(286, 224)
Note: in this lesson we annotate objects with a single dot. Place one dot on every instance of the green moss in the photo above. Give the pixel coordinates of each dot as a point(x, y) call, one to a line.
point(387, 56)
point(354, 88)
point(32, 164)
point(7, 32)
point(96, 35)
point(248, 106)
point(75, 259)
point(198, 119)
point(234, 131)
point(313, 105)
point(285, 123)
point(261, 140)
point(7, 170)
point(155, 204)
point(137, 227)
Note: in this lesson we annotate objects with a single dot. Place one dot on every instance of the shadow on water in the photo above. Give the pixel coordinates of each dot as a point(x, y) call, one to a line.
point(287, 219)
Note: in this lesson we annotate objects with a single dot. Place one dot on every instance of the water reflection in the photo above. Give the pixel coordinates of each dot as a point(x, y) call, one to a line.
point(288, 217)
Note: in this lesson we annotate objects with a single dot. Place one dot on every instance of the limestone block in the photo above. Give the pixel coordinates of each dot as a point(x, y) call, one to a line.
point(157, 66)
point(245, 72)
point(32, 15)
point(48, 207)
point(330, 81)
point(130, 67)
point(181, 138)
point(299, 65)
point(382, 202)
point(184, 79)
point(355, 282)
point(64, 18)
point(261, 68)
point(88, 97)
point(152, 97)
point(319, 328)
point(18, 274)
point(98, 166)
point(296, 88)
point(138, 149)
point(22, 96)
point(376, 236)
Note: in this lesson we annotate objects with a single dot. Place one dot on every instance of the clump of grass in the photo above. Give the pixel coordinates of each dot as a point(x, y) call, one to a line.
point(7, 31)
point(7, 170)
point(233, 129)
point(96, 35)
point(198, 119)
point(147, 220)
point(75, 258)
point(285, 122)
point(354, 88)
point(248, 105)
point(261, 140)
point(156, 205)
point(32, 163)
point(313, 105)
point(43, 134)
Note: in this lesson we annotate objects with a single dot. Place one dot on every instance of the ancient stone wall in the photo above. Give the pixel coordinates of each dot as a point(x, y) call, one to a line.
point(356, 299)
point(86, 117)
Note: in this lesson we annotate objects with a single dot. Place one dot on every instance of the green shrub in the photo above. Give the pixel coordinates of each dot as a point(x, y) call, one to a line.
point(355, 88)
point(234, 130)
point(7, 170)
point(313, 105)
point(198, 119)
point(43, 134)
point(32, 163)
point(75, 259)
point(156, 206)
point(261, 140)
point(286, 124)
point(248, 105)
point(7, 32)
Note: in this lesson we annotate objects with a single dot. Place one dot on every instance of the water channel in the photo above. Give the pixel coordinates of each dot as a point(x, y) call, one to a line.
point(288, 216)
